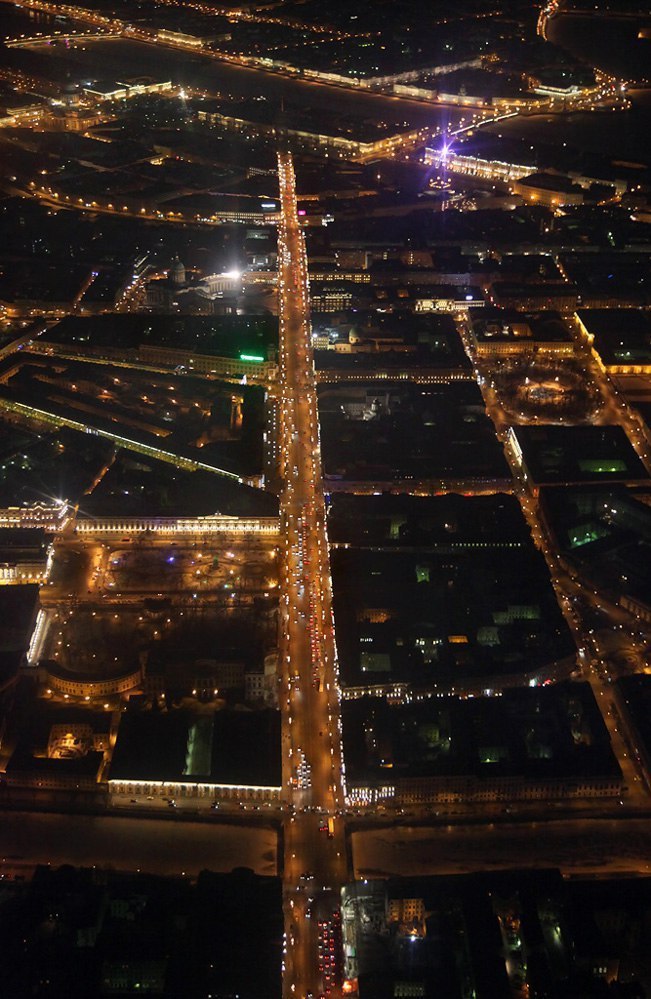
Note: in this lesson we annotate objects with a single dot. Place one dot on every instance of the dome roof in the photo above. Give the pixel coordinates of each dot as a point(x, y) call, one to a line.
point(177, 272)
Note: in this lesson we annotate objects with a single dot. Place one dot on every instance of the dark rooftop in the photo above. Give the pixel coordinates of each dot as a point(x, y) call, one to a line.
point(405, 338)
point(55, 466)
point(382, 431)
point(226, 747)
point(139, 486)
point(635, 692)
point(621, 336)
point(438, 590)
point(554, 455)
point(547, 732)
point(22, 543)
point(227, 336)
point(18, 606)
point(606, 533)
point(437, 523)
point(509, 324)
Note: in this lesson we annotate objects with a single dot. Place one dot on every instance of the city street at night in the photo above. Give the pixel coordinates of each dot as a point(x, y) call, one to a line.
point(325, 499)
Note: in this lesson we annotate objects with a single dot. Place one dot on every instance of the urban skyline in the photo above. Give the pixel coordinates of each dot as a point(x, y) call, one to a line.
point(325, 478)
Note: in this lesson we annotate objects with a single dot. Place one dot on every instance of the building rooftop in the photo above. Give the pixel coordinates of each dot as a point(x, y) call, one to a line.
point(551, 182)
point(429, 523)
point(606, 533)
point(136, 486)
point(504, 325)
point(23, 764)
point(131, 932)
point(225, 336)
point(507, 293)
point(224, 747)
point(507, 931)
point(555, 455)
point(48, 285)
point(53, 466)
point(546, 732)
point(18, 607)
point(621, 336)
point(389, 339)
point(212, 421)
point(19, 543)
point(441, 591)
point(618, 276)
point(635, 692)
point(379, 431)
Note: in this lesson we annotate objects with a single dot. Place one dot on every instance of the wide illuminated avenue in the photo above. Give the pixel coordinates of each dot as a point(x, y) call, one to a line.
point(315, 864)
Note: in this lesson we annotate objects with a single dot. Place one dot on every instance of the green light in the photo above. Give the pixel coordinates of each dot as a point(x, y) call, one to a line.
point(250, 357)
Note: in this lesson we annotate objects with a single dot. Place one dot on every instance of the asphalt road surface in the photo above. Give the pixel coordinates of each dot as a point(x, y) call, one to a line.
point(315, 858)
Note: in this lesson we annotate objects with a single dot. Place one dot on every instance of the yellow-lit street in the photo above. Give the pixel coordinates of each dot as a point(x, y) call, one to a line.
point(315, 862)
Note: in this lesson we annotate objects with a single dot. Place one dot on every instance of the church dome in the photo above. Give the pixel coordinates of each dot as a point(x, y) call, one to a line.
point(177, 272)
